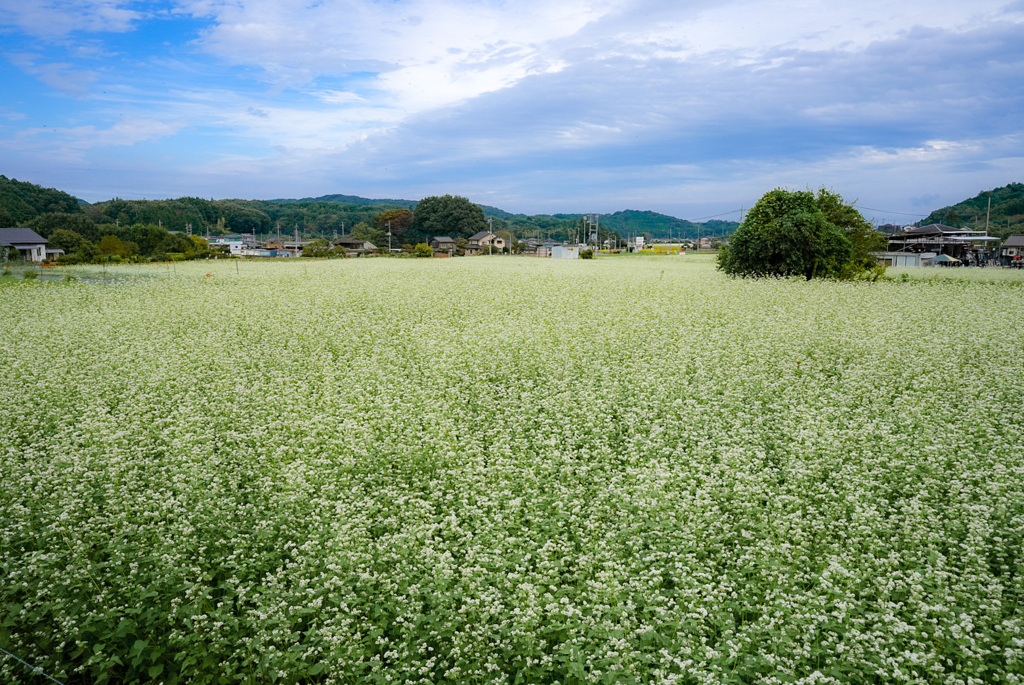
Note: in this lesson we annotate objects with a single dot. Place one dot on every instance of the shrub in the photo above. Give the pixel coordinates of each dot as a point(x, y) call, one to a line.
point(795, 233)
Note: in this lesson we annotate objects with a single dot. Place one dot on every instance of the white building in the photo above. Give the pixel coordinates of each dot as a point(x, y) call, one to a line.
point(30, 245)
point(565, 252)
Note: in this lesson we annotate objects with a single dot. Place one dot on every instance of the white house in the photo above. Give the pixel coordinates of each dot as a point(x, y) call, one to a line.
point(30, 245)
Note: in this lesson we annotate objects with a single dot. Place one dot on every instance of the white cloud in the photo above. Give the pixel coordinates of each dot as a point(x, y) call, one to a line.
point(61, 76)
point(419, 54)
point(73, 142)
point(57, 18)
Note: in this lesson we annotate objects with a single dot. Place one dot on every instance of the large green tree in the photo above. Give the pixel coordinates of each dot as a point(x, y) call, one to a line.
point(447, 215)
point(798, 233)
point(398, 221)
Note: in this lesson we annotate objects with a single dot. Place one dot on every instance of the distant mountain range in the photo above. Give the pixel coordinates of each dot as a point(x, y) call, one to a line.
point(626, 222)
point(21, 203)
point(350, 200)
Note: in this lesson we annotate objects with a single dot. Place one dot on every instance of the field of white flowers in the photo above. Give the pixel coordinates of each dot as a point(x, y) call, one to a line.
point(511, 470)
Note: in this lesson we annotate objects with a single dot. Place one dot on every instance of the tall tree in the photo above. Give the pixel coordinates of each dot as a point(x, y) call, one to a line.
point(447, 215)
point(398, 221)
point(788, 233)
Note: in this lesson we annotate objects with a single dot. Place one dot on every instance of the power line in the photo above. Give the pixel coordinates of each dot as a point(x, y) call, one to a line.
point(715, 216)
point(886, 211)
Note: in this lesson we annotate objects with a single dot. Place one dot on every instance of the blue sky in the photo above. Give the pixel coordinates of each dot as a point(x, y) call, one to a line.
point(691, 108)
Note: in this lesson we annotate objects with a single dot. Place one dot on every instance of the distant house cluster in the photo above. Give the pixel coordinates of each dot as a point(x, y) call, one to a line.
point(246, 245)
point(941, 245)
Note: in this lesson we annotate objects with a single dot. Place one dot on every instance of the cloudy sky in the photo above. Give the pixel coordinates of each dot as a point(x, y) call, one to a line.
point(689, 107)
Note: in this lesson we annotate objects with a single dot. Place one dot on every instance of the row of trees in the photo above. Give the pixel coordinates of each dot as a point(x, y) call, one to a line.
point(150, 243)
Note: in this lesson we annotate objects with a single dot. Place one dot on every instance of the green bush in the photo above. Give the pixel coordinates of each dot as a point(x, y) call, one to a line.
point(798, 233)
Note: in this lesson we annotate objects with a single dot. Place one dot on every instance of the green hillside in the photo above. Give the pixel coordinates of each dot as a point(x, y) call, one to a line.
point(662, 226)
point(21, 202)
point(350, 200)
point(1006, 218)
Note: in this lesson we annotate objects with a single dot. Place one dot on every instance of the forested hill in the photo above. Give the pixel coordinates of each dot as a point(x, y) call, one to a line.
point(626, 223)
point(1007, 216)
point(351, 200)
point(634, 222)
point(26, 204)
point(21, 202)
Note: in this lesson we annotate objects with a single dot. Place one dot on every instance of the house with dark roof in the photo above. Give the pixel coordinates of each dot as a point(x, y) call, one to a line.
point(483, 241)
point(1012, 251)
point(443, 243)
point(30, 245)
point(355, 246)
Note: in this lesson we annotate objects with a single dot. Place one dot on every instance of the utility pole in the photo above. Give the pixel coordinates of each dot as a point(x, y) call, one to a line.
point(389, 237)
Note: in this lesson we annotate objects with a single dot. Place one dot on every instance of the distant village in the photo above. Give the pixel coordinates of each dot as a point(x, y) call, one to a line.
point(911, 246)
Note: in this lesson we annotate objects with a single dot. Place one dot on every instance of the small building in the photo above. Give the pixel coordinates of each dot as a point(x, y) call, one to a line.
point(247, 239)
point(1012, 251)
point(354, 246)
point(566, 251)
point(545, 249)
point(483, 242)
point(235, 245)
point(443, 243)
point(30, 245)
point(529, 246)
point(903, 259)
point(295, 247)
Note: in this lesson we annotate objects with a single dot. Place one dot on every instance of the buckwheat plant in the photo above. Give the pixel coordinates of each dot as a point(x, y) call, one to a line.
point(510, 470)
